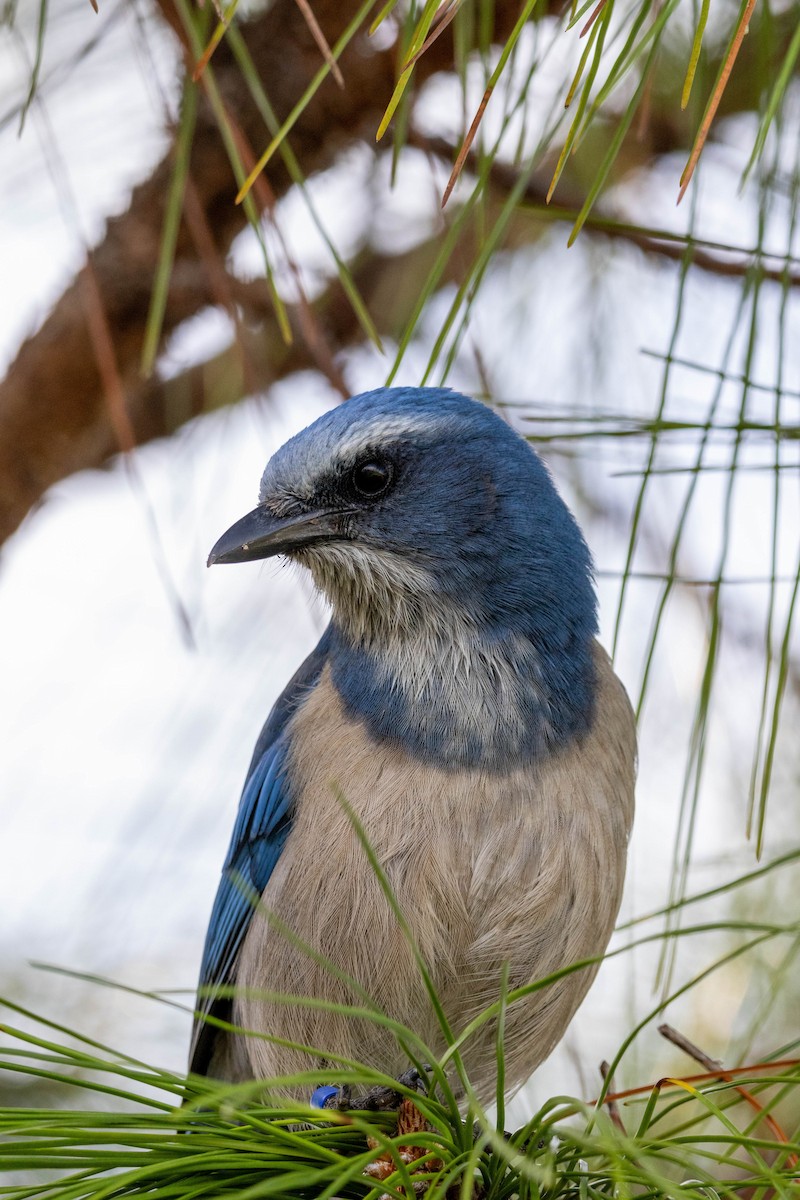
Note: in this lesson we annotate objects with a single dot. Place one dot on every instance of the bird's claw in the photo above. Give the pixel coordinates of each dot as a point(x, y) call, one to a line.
point(375, 1099)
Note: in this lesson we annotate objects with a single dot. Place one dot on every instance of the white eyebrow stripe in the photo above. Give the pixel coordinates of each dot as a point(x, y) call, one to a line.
point(284, 482)
point(382, 429)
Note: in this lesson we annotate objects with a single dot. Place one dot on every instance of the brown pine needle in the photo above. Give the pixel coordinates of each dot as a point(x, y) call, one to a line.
point(466, 146)
point(713, 103)
point(443, 17)
point(645, 109)
point(218, 278)
point(779, 1064)
point(215, 39)
point(94, 5)
point(262, 192)
point(319, 37)
point(598, 8)
point(105, 358)
point(310, 327)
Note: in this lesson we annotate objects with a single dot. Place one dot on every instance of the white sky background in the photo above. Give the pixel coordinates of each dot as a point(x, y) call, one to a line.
point(125, 749)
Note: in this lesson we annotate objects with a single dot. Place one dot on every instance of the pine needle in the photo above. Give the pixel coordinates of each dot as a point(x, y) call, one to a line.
point(716, 96)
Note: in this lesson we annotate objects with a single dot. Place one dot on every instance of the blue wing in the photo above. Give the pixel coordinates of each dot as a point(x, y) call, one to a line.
point(262, 825)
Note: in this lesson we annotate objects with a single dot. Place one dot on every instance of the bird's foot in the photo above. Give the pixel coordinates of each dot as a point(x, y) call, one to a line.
point(376, 1099)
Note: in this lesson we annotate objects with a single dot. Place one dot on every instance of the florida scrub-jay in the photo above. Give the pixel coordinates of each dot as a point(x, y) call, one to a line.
point(458, 700)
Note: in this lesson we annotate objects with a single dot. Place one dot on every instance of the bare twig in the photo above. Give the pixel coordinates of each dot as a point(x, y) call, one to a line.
point(713, 1065)
point(319, 37)
point(611, 1104)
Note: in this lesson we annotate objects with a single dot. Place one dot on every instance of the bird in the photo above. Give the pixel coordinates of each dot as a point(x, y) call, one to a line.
point(458, 715)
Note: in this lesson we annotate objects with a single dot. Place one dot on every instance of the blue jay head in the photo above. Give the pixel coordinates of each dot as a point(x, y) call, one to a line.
point(413, 504)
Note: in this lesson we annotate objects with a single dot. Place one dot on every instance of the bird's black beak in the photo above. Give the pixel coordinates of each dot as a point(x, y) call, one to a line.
point(262, 535)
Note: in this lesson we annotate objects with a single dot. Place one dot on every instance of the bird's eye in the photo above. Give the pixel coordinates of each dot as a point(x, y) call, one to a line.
point(372, 478)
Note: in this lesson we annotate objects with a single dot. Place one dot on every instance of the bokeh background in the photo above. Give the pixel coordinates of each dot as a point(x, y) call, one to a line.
point(158, 341)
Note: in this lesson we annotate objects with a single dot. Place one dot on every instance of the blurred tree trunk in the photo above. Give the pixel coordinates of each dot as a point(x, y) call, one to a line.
point(56, 414)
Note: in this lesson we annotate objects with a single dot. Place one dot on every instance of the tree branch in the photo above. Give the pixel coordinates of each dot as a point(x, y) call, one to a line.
point(65, 404)
point(54, 418)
